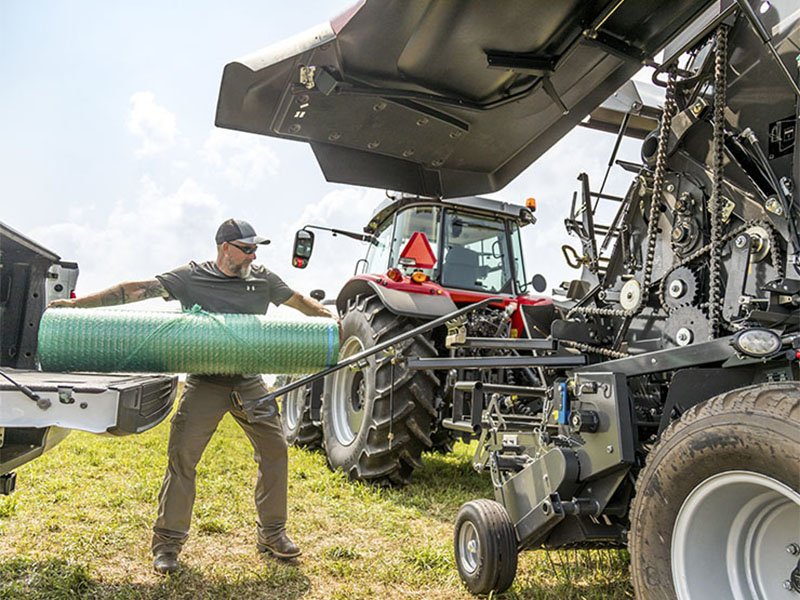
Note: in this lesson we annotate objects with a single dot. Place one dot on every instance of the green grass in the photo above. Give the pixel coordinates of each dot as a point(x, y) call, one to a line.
point(79, 527)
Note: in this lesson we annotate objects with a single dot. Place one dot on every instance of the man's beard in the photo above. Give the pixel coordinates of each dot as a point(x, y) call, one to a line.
point(243, 272)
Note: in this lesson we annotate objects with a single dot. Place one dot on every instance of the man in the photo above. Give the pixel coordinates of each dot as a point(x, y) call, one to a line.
point(231, 284)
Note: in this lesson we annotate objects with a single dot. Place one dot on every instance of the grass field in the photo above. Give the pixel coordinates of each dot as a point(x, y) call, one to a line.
point(79, 527)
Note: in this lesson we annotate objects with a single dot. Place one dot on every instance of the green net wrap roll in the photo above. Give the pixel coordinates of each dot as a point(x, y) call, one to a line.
point(194, 341)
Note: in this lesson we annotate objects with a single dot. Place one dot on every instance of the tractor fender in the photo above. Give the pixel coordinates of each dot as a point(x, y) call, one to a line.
point(400, 302)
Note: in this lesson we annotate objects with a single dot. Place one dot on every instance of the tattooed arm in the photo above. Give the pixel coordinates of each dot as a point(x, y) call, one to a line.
point(124, 293)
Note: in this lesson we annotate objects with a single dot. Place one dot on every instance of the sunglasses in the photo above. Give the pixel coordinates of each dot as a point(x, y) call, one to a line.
point(245, 249)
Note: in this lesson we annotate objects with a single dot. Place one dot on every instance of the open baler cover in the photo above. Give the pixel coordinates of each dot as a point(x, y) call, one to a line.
point(443, 97)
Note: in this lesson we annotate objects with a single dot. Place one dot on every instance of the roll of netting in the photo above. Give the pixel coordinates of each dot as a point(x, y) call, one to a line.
point(127, 341)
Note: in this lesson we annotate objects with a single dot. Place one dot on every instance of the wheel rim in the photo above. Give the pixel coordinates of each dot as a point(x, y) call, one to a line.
point(348, 397)
point(468, 547)
point(293, 406)
point(731, 537)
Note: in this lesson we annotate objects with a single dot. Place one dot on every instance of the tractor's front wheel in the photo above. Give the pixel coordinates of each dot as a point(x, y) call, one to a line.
point(376, 416)
point(298, 427)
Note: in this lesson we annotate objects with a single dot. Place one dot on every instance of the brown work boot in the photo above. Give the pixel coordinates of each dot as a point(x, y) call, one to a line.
point(166, 563)
point(282, 547)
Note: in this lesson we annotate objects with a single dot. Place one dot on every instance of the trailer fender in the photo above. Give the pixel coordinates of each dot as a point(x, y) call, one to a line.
point(400, 302)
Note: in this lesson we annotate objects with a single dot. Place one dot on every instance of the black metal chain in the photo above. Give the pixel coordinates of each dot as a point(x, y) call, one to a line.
point(670, 107)
point(717, 175)
point(607, 352)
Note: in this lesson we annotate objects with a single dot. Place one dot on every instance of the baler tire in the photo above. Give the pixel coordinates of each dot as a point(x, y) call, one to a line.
point(356, 420)
point(718, 498)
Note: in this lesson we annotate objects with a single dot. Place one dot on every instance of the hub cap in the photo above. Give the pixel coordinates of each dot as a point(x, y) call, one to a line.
point(348, 397)
point(468, 547)
point(731, 536)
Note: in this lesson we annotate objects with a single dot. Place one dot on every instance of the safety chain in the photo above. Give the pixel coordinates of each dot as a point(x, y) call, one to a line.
point(717, 174)
point(670, 106)
point(773, 249)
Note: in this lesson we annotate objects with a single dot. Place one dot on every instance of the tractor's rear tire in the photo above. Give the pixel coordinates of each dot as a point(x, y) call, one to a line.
point(485, 547)
point(296, 421)
point(375, 429)
point(717, 505)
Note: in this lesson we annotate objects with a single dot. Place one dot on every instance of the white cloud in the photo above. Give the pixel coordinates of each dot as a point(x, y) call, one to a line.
point(141, 237)
point(245, 159)
point(154, 125)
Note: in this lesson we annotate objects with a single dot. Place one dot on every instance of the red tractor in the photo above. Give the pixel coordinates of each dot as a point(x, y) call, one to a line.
point(427, 258)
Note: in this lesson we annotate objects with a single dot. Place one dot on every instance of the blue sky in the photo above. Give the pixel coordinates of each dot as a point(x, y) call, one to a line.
point(110, 156)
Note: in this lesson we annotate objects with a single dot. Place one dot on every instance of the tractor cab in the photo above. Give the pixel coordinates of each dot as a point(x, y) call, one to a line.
point(464, 245)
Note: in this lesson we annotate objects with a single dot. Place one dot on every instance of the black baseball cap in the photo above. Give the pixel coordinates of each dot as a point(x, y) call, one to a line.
point(236, 230)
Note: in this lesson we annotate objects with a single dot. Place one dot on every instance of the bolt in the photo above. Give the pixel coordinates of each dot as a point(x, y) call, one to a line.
point(741, 241)
point(610, 449)
point(677, 288)
point(793, 549)
point(683, 337)
point(773, 206)
point(670, 187)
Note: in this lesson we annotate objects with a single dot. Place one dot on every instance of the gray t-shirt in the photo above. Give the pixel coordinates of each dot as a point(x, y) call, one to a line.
point(206, 285)
point(214, 291)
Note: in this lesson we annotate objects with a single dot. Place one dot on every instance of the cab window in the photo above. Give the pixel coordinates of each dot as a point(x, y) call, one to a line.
point(424, 219)
point(476, 254)
point(380, 248)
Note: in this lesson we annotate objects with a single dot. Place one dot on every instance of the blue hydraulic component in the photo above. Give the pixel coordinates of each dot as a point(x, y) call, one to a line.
point(563, 412)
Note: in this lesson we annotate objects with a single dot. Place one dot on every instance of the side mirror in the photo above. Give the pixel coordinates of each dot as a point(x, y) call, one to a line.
point(303, 246)
point(539, 283)
point(318, 295)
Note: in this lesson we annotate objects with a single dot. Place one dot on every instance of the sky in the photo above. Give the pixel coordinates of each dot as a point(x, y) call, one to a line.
point(110, 158)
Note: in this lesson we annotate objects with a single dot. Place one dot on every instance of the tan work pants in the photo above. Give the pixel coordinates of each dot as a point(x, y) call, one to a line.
point(201, 408)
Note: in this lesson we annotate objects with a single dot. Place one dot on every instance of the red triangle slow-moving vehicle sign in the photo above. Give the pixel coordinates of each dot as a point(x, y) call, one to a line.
point(419, 249)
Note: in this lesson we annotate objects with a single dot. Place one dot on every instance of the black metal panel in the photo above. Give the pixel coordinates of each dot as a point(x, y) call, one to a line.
point(23, 269)
point(402, 94)
point(692, 386)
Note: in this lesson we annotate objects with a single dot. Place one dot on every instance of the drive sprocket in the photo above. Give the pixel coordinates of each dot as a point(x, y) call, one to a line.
point(686, 325)
point(681, 288)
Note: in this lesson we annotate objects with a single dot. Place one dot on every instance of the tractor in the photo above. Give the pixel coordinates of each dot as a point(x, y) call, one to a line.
point(426, 258)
